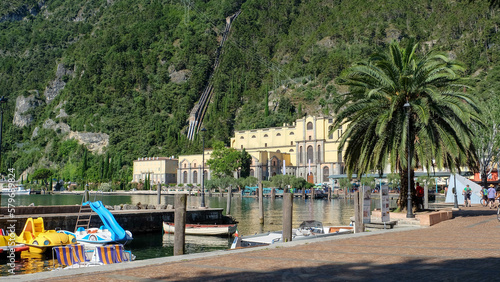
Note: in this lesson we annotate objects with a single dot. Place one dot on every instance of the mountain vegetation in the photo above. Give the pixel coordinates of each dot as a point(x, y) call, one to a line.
point(99, 83)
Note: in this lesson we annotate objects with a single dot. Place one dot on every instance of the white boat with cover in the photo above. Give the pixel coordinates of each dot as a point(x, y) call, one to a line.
point(307, 230)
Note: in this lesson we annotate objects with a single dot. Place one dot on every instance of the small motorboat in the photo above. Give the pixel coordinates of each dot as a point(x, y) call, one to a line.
point(38, 239)
point(16, 189)
point(203, 229)
point(307, 230)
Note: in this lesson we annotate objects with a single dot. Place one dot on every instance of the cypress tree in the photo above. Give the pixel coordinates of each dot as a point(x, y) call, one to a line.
point(110, 170)
point(85, 163)
point(106, 166)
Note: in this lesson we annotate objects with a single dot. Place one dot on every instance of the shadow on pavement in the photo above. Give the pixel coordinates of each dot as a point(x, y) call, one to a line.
point(413, 270)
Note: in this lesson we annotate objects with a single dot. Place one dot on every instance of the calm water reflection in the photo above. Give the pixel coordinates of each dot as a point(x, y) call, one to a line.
point(244, 210)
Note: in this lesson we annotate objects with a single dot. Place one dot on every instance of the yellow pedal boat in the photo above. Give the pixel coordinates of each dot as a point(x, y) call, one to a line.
point(38, 239)
point(8, 243)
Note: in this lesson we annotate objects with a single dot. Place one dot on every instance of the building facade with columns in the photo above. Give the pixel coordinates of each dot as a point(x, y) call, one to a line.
point(305, 149)
point(160, 170)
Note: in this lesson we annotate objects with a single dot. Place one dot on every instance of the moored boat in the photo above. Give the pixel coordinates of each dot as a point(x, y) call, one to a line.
point(202, 229)
point(16, 189)
point(8, 243)
point(110, 232)
point(38, 239)
point(307, 230)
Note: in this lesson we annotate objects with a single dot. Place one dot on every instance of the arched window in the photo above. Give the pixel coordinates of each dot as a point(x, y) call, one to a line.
point(279, 134)
point(253, 136)
point(291, 151)
point(278, 151)
point(326, 173)
point(194, 165)
point(205, 175)
point(291, 133)
point(252, 173)
point(242, 137)
point(300, 155)
point(184, 165)
point(185, 177)
point(274, 162)
point(319, 153)
point(265, 135)
point(309, 125)
point(195, 177)
point(310, 154)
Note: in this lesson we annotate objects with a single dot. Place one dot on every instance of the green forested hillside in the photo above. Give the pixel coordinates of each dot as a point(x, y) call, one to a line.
point(120, 63)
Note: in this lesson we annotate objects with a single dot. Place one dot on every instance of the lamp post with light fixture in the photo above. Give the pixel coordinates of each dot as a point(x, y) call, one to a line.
point(203, 130)
point(409, 212)
point(3, 100)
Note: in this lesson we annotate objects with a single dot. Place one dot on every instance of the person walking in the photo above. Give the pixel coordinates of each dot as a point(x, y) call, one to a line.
point(484, 195)
point(420, 197)
point(491, 195)
point(467, 193)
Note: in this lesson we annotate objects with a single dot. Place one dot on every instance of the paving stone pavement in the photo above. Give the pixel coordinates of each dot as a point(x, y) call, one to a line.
point(465, 248)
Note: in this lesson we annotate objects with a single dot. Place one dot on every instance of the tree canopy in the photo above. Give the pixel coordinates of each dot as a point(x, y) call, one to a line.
point(401, 101)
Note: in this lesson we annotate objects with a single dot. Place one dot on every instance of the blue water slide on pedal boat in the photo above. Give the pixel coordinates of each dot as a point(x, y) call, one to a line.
point(109, 232)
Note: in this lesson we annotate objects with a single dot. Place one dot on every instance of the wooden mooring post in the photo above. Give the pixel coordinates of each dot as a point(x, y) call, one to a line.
point(358, 212)
point(159, 193)
point(228, 207)
point(180, 203)
point(261, 203)
point(287, 216)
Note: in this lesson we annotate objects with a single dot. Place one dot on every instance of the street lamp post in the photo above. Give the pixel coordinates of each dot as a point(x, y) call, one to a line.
point(3, 100)
point(203, 130)
point(409, 211)
point(455, 201)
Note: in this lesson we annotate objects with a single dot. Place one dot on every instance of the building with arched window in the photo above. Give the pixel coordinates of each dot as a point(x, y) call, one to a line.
point(307, 148)
point(310, 143)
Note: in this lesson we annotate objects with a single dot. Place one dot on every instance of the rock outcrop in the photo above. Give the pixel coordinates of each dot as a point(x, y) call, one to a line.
point(22, 117)
point(95, 142)
point(60, 127)
point(58, 84)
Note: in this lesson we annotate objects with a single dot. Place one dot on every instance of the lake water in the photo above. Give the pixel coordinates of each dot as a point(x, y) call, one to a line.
point(244, 210)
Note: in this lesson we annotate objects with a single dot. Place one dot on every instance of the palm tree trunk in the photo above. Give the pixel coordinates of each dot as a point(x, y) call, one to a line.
point(484, 178)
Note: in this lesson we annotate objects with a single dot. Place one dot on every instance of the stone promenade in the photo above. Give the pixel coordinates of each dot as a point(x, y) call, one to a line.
point(465, 248)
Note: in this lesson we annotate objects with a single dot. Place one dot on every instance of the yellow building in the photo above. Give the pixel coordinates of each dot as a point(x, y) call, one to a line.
point(305, 149)
point(160, 170)
point(190, 168)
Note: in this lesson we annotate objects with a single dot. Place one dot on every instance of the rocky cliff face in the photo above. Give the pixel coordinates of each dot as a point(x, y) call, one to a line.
point(22, 117)
point(56, 85)
point(95, 142)
point(21, 12)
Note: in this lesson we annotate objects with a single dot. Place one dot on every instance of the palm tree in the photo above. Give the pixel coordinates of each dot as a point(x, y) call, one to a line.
point(437, 119)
